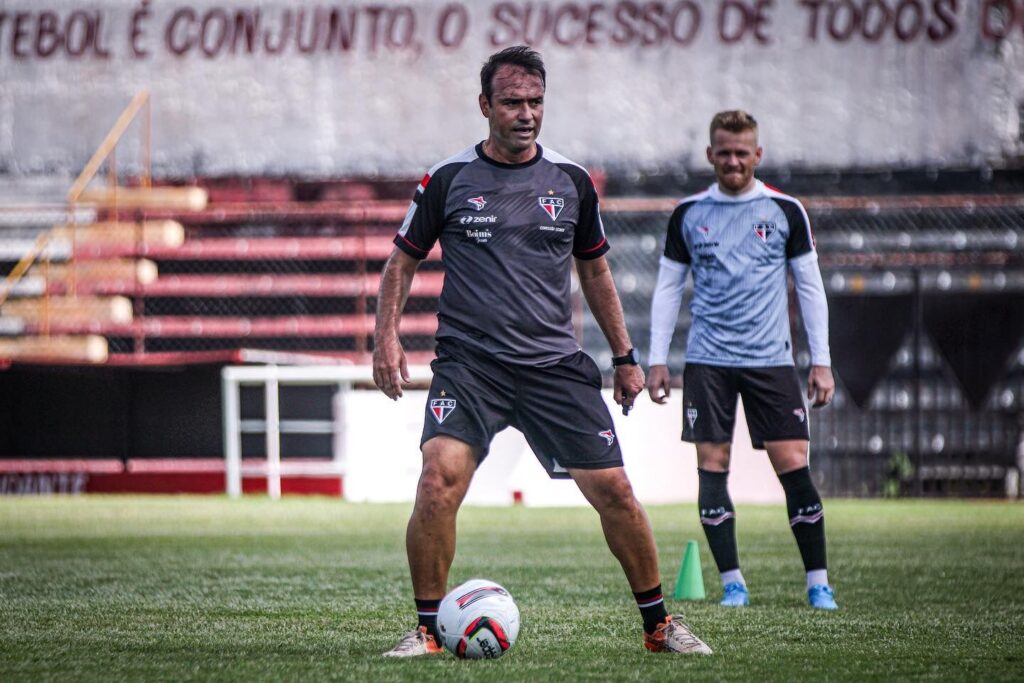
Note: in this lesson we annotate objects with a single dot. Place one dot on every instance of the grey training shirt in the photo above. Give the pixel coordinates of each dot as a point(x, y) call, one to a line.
point(508, 233)
point(738, 249)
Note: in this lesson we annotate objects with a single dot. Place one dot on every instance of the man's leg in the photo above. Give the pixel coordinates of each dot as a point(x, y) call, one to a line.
point(448, 467)
point(806, 515)
point(628, 533)
point(718, 519)
point(625, 523)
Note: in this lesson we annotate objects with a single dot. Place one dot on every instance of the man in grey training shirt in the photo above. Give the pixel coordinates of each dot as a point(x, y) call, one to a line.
point(510, 217)
point(739, 238)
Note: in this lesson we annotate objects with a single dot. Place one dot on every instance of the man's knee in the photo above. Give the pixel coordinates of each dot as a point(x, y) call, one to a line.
point(787, 456)
point(607, 489)
point(714, 457)
point(448, 466)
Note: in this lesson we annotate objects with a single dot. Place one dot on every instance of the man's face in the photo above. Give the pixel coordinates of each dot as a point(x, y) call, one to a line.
point(734, 156)
point(515, 110)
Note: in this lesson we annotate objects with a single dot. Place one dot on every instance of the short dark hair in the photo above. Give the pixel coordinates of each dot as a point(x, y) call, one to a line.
point(734, 121)
point(517, 55)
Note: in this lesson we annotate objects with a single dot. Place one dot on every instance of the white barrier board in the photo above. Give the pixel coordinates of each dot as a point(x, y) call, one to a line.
point(383, 458)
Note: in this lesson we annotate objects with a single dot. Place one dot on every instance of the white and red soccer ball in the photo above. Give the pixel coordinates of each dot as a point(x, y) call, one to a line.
point(478, 620)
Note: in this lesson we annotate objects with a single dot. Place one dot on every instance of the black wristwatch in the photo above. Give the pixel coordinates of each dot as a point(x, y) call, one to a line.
point(632, 357)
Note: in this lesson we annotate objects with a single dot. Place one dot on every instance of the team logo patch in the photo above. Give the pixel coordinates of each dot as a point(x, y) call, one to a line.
point(609, 436)
point(799, 412)
point(691, 416)
point(478, 202)
point(764, 230)
point(441, 408)
point(704, 230)
point(552, 206)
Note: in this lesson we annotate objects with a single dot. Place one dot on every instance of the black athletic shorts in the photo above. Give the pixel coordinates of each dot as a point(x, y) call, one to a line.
point(772, 402)
point(558, 408)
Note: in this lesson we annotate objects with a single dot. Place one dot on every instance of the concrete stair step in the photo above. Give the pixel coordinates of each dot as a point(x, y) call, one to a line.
point(69, 310)
point(89, 348)
point(180, 198)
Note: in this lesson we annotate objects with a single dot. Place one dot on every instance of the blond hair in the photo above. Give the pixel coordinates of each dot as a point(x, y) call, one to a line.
point(734, 121)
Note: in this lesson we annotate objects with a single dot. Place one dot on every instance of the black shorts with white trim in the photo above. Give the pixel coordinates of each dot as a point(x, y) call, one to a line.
point(558, 407)
point(772, 403)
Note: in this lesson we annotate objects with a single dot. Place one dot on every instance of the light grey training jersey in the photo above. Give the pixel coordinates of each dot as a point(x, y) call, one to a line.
point(738, 249)
point(508, 233)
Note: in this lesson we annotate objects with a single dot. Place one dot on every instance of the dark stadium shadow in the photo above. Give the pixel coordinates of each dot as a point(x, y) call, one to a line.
point(864, 333)
point(976, 335)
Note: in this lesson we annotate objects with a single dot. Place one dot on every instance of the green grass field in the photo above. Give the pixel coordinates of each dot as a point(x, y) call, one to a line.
point(200, 588)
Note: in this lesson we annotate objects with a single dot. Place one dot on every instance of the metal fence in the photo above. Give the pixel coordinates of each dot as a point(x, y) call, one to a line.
point(927, 325)
point(926, 298)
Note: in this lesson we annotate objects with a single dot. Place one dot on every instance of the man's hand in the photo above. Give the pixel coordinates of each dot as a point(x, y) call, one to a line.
point(659, 384)
point(390, 368)
point(629, 382)
point(821, 387)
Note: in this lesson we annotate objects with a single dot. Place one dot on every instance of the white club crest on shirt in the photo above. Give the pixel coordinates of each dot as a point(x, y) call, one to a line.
point(764, 230)
point(478, 202)
point(552, 206)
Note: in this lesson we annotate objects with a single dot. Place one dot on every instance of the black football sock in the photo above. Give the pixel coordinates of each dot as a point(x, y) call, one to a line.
point(652, 607)
point(806, 517)
point(426, 610)
point(718, 518)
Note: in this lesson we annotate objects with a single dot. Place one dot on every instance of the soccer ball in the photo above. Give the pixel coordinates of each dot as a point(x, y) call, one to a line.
point(478, 620)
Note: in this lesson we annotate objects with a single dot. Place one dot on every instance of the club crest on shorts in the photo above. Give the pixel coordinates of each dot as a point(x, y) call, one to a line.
point(441, 408)
point(764, 230)
point(552, 206)
point(478, 202)
point(800, 413)
point(609, 436)
point(691, 416)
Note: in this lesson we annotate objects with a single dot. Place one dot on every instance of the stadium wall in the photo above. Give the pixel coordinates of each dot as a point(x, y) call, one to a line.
point(76, 431)
point(264, 87)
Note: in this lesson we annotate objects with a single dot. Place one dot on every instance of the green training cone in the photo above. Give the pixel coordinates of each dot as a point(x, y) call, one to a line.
point(690, 584)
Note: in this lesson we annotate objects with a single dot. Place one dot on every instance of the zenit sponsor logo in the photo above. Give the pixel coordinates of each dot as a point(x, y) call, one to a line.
point(551, 228)
point(471, 220)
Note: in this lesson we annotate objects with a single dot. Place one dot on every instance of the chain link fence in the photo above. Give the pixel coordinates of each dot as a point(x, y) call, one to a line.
point(925, 294)
point(942, 276)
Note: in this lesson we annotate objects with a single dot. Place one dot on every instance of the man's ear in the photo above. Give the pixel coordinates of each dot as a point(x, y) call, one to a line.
point(485, 106)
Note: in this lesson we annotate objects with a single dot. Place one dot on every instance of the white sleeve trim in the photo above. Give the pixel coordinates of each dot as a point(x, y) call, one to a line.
point(810, 292)
point(668, 297)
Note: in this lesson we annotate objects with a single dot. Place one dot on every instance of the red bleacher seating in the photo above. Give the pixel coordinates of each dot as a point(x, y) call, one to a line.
point(256, 270)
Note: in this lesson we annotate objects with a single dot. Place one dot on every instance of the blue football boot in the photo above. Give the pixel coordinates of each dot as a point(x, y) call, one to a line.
point(821, 596)
point(735, 594)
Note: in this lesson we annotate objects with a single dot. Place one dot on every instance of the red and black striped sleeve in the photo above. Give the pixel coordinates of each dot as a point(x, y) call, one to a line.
point(425, 220)
point(589, 240)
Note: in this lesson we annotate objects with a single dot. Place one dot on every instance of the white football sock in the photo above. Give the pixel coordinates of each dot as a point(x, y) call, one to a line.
point(817, 577)
point(733, 576)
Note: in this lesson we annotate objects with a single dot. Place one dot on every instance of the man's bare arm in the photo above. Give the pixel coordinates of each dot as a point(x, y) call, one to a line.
point(390, 368)
point(599, 289)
